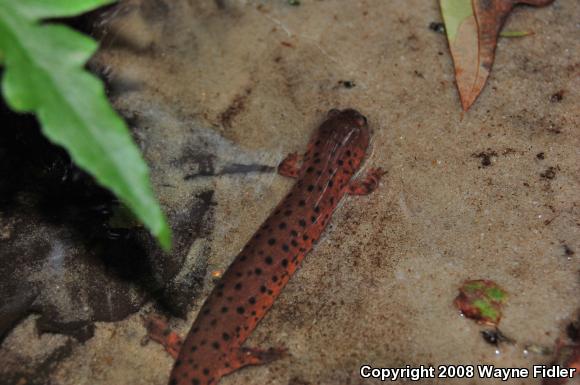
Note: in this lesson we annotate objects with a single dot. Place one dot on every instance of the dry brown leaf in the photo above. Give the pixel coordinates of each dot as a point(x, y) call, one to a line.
point(473, 37)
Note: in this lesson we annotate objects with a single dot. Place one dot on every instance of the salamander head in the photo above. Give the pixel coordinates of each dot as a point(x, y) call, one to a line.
point(345, 130)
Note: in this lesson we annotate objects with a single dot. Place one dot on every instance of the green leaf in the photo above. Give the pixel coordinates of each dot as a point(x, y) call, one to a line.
point(44, 74)
point(454, 13)
point(38, 9)
point(481, 300)
point(515, 33)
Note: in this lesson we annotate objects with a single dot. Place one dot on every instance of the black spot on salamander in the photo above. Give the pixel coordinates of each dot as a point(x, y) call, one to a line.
point(178, 363)
point(288, 213)
point(313, 219)
point(240, 310)
point(206, 371)
point(310, 169)
point(294, 243)
point(206, 311)
point(348, 153)
point(271, 241)
point(285, 247)
point(225, 336)
point(302, 203)
point(316, 209)
point(252, 300)
point(330, 183)
point(215, 345)
point(294, 233)
point(302, 223)
point(284, 262)
point(263, 289)
point(274, 278)
point(258, 271)
point(340, 162)
point(269, 260)
point(213, 322)
point(238, 286)
point(225, 309)
point(194, 381)
point(282, 225)
point(305, 237)
point(317, 160)
point(310, 187)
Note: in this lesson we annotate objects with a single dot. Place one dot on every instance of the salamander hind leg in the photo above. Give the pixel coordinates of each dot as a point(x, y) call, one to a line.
point(159, 331)
point(289, 166)
point(208, 369)
point(242, 357)
point(366, 184)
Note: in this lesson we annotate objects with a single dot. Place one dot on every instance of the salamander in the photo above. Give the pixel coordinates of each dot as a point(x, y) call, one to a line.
point(248, 288)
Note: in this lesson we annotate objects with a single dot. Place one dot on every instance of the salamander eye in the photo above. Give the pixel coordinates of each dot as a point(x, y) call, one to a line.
point(333, 112)
point(361, 120)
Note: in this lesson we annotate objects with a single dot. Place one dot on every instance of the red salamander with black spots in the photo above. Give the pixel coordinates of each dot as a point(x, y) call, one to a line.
point(214, 346)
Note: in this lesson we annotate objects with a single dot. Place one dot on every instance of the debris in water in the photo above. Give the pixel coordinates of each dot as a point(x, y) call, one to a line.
point(481, 300)
point(495, 337)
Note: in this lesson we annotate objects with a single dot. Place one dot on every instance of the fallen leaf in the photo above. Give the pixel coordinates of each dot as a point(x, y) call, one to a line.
point(473, 27)
point(481, 300)
point(567, 352)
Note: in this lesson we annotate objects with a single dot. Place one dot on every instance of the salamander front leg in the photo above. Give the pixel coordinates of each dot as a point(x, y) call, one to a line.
point(289, 166)
point(366, 184)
